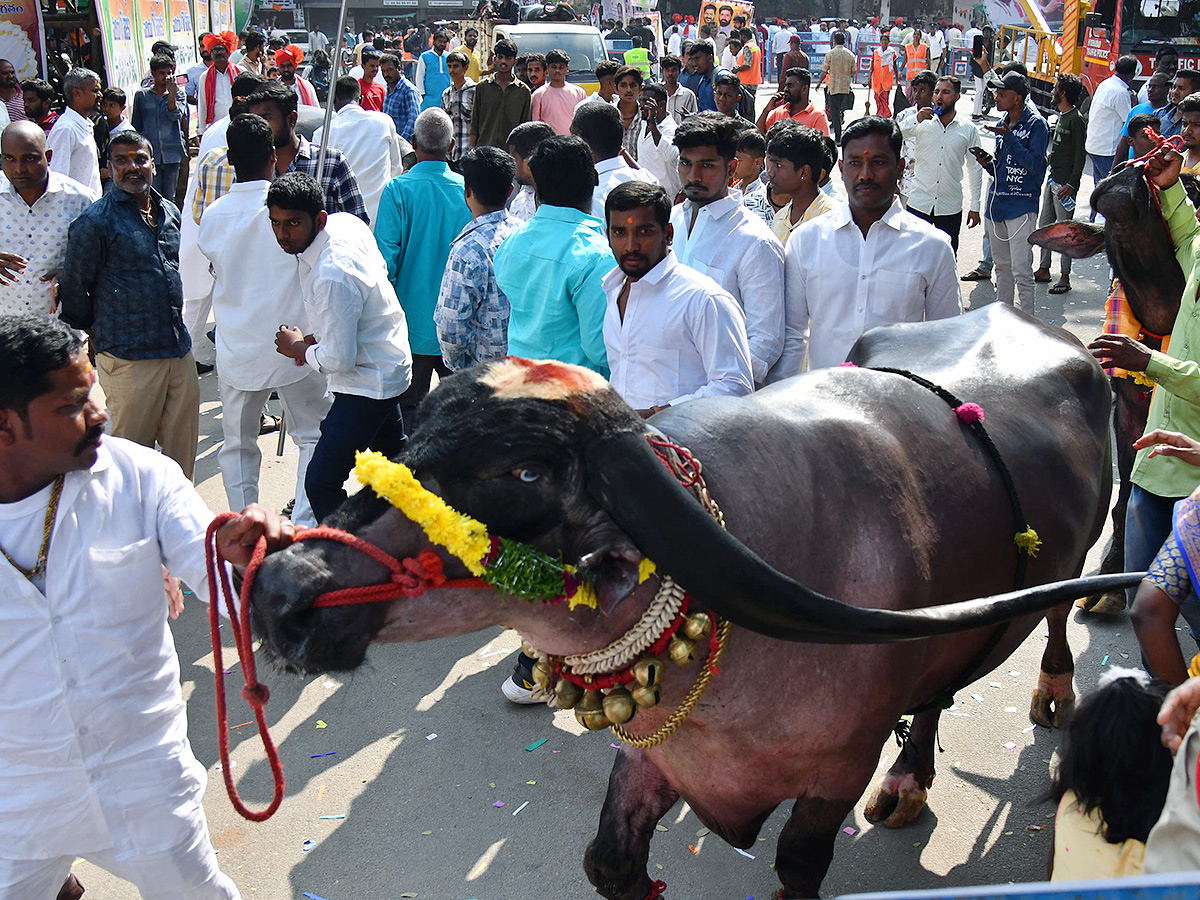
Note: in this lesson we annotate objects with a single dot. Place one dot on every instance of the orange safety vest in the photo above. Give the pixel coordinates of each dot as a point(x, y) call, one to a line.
point(881, 75)
point(753, 75)
point(916, 59)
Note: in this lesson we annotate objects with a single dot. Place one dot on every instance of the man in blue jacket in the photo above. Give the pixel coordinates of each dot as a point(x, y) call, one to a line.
point(1017, 170)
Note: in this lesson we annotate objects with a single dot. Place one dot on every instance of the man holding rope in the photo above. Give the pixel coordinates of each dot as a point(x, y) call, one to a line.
point(94, 756)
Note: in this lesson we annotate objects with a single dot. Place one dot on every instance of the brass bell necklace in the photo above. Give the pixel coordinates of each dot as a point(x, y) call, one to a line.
point(39, 567)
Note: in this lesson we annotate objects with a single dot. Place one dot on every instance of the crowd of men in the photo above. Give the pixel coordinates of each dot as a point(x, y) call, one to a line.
point(659, 232)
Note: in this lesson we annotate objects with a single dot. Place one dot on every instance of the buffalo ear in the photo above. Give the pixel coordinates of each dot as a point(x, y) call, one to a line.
point(1075, 240)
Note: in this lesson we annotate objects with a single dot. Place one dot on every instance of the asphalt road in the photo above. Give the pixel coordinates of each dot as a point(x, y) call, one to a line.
point(424, 751)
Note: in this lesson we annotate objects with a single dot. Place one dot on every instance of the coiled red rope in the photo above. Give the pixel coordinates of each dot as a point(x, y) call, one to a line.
point(409, 578)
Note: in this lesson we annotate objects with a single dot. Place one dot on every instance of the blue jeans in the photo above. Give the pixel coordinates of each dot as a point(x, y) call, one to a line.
point(352, 423)
point(986, 264)
point(1101, 167)
point(1148, 520)
point(165, 177)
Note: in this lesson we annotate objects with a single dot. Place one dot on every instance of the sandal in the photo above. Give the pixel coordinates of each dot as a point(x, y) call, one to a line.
point(977, 274)
point(1042, 276)
point(1060, 288)
point(269, 424)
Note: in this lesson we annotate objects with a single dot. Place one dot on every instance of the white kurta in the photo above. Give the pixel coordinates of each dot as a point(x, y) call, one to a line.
point(72, 144)
point(682, 338)
point(93, 726)
point(735, 248)
point(257, 288)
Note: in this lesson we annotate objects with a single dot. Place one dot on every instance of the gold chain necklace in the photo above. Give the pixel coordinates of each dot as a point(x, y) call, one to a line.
point(39, 568)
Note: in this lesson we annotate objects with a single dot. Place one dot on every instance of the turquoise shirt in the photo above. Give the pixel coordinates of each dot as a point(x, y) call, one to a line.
point(420, 213)
point(552, 272)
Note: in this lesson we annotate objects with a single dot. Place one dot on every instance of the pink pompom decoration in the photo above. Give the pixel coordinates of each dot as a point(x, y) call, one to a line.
point(847, 365)
point(969, 412)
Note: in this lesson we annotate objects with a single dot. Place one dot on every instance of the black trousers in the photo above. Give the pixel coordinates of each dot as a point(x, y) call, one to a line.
point(837, 105)
point(952, 225)
point(423, 368)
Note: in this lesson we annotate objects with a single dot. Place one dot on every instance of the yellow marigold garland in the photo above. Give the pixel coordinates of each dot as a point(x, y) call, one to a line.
point(517, 568)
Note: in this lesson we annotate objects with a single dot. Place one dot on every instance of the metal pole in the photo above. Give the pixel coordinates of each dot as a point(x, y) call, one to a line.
point(335, 66)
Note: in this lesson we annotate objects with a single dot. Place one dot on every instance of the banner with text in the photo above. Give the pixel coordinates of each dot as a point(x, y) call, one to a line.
point(182, 33)
point(21, 37)
point(121, 35)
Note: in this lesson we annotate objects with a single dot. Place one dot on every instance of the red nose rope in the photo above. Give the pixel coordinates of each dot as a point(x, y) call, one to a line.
point(1175, 142)
point(409, 578)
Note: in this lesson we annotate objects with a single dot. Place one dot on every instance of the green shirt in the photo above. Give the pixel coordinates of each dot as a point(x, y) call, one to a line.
point(1176, 403)
point(497, 111)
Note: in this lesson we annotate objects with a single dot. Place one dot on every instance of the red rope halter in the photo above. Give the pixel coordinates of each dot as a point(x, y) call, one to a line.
point(409, 578)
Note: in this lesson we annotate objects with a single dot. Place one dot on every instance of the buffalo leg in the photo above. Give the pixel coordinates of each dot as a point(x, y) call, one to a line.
point(1129, 423)
point(901, 795)
point(805, 846)
point(1054, 696)
point(638, 796)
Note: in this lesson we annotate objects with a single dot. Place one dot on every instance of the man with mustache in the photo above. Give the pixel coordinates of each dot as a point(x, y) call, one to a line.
point(94, 757)
point(892, 266)
point(671, 334)
point(121, 284)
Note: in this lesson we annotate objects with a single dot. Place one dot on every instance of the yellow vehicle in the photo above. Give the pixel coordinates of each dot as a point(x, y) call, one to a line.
point(1043, 52)
point(580, 41)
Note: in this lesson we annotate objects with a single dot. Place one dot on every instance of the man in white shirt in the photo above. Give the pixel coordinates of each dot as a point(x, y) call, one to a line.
point(780, 44)
point(937, 48)
point(657, 152)
point(1106, 119)
point(954, 37)
point(36, 208)
point(522, 203)
point(681, 101)
point(599, 124)
point(93, 728)
point(256, 287)
point(72, 140)
point(215, 94)
point(942, 147)
point(367, 139)
point(718, 236)
point(671, 334)
point(358, 338)
point(317, 40)
point(865, 264)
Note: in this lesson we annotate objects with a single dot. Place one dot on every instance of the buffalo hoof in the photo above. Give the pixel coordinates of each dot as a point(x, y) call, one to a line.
point(1103, 604)
point(1053, 700)
point(898, 801)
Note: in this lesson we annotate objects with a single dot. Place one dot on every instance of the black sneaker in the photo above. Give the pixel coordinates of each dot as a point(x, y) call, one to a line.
point(518, 688)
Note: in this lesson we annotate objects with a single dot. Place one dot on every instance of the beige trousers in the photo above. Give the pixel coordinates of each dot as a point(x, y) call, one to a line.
point(154, 400)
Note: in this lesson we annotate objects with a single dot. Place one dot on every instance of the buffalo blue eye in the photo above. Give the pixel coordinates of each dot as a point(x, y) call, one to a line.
point(529, 476)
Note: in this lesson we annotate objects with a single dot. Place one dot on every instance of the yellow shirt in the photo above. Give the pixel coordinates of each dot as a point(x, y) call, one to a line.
point(782, 225)
point(475, 67)
point(1081, 852)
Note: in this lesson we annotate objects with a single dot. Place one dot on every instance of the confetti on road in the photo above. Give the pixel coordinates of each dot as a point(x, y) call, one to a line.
point(409, 894)
point(978, 698)
point(521, 807)
point(498, 804)
point(693, 848)
point(320, 793)
point(342, 816)
point(319, 755)
point(308, 845)
point(615, 746)
point(536, 744)
point(312, 896)
point(1104, 662)
point(1010, 745)
point(995, 684)
point(243, 725)
point(431, 736)
point(850, 831)
point(426, 832)
point(1029, 729)
point(531, 782)
point(1013, 673)
point(1010, 709)
point(1035, 827)
point(702, 832)
point(321, 724)
point(661, 828)
point(744, 853)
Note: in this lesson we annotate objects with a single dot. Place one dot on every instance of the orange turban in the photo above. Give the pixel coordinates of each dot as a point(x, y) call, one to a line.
point(226, 39)
point(292, 52)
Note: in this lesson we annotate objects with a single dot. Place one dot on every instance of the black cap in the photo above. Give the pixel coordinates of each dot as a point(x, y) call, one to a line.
point(1011, 81)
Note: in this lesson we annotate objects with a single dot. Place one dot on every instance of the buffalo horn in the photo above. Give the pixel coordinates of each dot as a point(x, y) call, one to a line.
point(667, 524)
